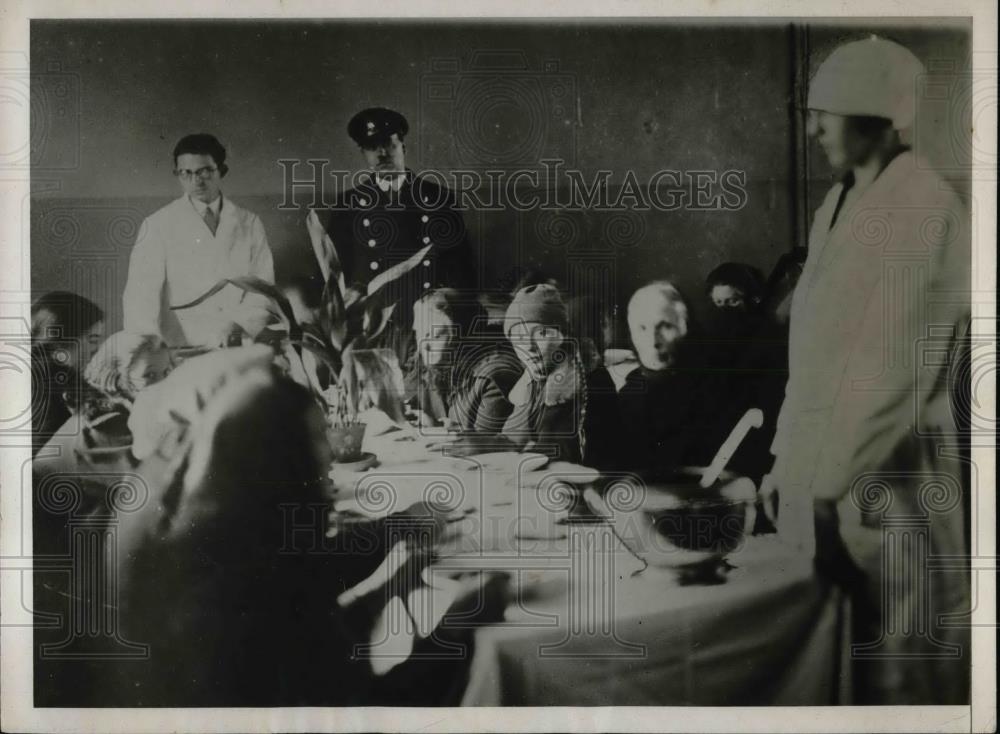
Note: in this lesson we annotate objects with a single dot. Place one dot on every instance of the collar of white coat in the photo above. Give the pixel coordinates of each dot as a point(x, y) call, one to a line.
point(888, 180)
point(900, 166)
point(201, 206)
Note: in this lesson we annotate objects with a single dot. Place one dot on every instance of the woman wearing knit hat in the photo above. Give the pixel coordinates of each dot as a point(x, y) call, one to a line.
point(862, 432)
point(558, 401)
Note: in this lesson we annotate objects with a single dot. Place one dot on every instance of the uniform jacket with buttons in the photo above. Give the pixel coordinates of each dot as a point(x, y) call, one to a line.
point(374, 230)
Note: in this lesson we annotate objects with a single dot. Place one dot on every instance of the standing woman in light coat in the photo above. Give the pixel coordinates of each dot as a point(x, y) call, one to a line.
point(866, 442)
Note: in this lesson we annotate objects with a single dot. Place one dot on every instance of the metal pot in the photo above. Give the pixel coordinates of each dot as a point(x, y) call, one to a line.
point(675, 522)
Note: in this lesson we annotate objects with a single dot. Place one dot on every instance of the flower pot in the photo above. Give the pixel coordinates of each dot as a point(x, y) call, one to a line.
point(346, 441)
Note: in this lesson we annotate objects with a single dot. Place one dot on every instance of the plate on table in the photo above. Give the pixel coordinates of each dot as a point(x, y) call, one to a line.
point(377, 422)
point(388, 489)
point(511, 462)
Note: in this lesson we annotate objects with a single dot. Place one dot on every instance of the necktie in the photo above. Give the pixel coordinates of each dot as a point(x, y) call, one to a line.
point(211, 219)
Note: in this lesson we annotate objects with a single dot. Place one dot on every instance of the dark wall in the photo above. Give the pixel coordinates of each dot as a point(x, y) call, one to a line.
point(110, 99)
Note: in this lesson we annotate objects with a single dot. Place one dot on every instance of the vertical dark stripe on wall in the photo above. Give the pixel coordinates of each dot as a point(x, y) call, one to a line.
point(799, 79)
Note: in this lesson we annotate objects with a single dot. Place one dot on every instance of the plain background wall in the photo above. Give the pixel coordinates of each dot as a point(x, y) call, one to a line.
point(110, 99)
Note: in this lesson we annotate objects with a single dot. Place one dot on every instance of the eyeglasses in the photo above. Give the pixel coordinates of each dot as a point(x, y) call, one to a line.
point(188, 175)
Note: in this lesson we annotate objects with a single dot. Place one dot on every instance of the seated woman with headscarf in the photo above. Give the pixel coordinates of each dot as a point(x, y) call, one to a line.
point(463, 370)
point(247, 591)
point(233, 607)
point(563, 400)
point(748, 356)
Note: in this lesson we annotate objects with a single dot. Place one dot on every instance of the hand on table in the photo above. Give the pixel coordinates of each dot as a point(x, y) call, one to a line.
point(423, 420)
point(471, 444)
point(416, 417)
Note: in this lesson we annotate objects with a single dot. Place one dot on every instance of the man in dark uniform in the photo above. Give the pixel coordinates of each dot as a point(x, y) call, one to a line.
point(394, 218)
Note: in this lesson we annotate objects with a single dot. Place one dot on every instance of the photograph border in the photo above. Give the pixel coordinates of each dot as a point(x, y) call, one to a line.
point(17, 712)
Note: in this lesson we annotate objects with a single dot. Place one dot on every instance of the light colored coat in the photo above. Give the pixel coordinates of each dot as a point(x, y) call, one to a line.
point(176, 259)
point(866, 420)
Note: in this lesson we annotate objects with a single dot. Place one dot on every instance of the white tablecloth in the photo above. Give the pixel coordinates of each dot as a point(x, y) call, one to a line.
point(768, 635)
point(581, 627)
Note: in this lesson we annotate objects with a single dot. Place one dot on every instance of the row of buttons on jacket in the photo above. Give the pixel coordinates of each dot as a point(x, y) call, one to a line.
point(371, 242)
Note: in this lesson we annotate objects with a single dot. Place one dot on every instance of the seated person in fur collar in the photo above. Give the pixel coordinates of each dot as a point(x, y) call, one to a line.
point(563, 402)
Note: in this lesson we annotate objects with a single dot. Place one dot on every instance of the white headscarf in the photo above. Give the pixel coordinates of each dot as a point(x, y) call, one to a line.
point(873, 77)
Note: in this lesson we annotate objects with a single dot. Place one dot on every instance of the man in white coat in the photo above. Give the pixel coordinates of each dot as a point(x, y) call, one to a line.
point(188, 246)
point(866, 443)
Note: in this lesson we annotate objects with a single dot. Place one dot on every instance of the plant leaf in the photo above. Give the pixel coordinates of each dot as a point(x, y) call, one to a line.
point(203, 297)
point(376, 376)
point(330, 359)
point(335, 312)
point(315, 334)
point(251, 284)
point(325, 252)
point(384, 316)
point(348, 379)
point(398, 270)
point(260, 286)
point(300, 372)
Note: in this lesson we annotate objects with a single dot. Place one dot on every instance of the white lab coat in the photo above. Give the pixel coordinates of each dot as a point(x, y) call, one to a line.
point(176, 259)
point(867, 406)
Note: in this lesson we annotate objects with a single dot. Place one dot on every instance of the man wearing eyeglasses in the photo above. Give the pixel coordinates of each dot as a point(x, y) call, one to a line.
point(188, 246)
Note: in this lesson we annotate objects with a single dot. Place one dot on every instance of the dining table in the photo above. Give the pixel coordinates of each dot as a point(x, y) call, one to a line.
point(593, 614)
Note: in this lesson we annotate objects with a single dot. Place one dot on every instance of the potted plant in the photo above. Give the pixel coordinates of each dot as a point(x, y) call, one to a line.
point(335, 349)
point(345, 431)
